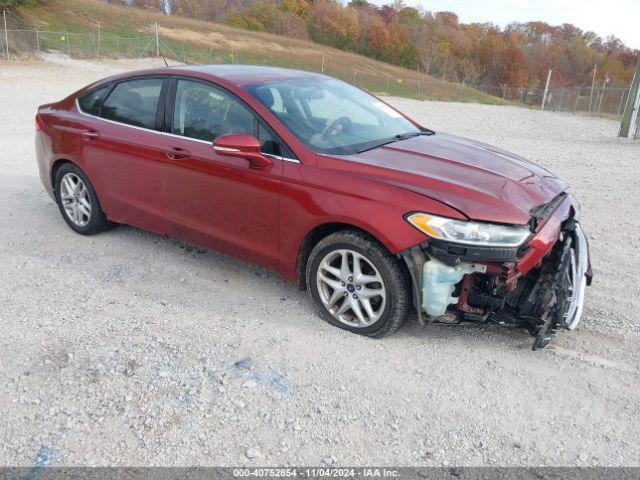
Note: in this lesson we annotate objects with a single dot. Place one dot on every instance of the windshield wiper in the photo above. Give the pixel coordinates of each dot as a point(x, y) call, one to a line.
point(399, 137)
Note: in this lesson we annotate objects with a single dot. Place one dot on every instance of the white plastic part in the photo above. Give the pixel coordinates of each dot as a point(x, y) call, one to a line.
point(438, 283)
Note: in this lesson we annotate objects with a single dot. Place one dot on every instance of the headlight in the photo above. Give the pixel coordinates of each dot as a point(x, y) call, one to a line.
point(470, 233)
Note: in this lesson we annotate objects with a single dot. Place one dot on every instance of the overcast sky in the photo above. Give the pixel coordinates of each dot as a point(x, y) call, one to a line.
point(605, 17)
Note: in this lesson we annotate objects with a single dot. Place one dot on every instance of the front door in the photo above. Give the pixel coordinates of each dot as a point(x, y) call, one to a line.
point(213, 200)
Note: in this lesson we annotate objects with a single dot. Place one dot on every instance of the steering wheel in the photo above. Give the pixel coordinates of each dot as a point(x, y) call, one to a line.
point(343, 121)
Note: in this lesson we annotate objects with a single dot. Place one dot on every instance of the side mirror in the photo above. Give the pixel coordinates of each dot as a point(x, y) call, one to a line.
point(242, 145)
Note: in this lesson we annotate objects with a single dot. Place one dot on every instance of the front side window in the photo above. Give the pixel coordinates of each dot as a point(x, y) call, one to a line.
point(271, 145)
point(90, 102)
point(330, 116)
point(134, 102)
point(204, 112)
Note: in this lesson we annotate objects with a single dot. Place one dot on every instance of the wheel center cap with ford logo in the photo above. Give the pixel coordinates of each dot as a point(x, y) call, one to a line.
point(351, 288)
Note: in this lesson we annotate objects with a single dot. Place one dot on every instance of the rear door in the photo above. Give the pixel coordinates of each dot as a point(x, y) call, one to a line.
point(123, 149)
point(214, 200)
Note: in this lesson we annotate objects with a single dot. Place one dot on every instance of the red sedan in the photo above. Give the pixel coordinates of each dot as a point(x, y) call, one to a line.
point(304, 174)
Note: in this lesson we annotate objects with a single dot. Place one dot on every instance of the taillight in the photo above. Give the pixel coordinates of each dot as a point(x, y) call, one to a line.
point(39, 124)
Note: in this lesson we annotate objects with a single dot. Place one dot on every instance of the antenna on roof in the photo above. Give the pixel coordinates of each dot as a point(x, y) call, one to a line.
point(165, 61)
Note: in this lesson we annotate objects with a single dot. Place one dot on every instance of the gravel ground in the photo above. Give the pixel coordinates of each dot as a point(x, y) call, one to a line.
point(132, 349)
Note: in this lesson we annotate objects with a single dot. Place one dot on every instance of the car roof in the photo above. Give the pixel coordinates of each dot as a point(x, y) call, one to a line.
point(239, 75)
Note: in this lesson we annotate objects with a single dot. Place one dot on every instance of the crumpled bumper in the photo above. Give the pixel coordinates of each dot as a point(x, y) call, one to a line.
point(442, 280)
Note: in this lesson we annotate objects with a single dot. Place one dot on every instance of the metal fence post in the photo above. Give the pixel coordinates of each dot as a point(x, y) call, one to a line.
point(622, 95)
point(6, 33)
point(630, 115)
point(593, 86)
point(38, 40)
point(68, 44)
point(546, 90)
point(98, 43)
point(157, 41)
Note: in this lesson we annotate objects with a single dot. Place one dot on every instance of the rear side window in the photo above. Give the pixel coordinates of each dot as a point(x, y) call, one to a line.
point(90, 102)
point(134, 102)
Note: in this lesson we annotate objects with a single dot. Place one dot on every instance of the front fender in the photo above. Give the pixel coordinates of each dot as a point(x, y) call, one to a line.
point(312, 197)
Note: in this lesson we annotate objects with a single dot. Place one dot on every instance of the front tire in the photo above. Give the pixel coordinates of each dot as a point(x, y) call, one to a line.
point(358, 285)
point(78, 202)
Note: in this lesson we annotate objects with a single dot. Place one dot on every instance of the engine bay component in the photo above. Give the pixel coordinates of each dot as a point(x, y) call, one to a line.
point(438, 284)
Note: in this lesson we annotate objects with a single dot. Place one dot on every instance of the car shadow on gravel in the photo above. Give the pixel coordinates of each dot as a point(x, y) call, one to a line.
point(482, 335)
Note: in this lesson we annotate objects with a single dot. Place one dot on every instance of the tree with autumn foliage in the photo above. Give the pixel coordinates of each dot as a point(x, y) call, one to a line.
point(436, 43)
point(332, 24)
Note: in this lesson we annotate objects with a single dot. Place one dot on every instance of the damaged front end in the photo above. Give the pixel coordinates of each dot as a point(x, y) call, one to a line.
point(539, 284)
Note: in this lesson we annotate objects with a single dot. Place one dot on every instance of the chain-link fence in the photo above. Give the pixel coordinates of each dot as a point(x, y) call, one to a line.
point(77, 45)
point(597, 100)
point(602, 100)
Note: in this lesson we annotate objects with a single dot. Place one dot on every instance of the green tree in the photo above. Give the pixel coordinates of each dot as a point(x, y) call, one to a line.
point(12, 4)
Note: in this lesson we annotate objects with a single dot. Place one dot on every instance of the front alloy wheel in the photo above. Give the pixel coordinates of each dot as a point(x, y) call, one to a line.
point(358, 285)
point(351, 288)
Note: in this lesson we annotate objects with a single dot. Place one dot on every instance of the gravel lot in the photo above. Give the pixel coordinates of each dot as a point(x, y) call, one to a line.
point(133, 349)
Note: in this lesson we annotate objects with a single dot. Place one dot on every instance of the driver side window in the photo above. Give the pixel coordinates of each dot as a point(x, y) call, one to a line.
point(204, 112)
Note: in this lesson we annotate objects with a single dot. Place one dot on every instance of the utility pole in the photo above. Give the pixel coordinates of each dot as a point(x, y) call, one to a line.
point(546, 90)
point(628, 127)
point(98, 43)
point(6, 33)
point(593, 85)
point(157, 42)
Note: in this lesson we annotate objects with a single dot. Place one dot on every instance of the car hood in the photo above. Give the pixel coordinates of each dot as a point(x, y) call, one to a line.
point(483, 182)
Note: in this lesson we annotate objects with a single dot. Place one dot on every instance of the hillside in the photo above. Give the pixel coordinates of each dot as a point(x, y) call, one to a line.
point(194, 41)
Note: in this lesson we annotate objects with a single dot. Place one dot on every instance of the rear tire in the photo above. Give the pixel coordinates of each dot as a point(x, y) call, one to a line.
point(358, 285)
point(78, 202)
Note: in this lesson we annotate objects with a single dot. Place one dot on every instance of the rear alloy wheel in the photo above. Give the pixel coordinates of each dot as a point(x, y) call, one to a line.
point(78, 202)
point(75, 199)
point(357, 285)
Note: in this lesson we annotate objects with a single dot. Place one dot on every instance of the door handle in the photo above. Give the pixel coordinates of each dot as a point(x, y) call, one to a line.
point(176, 153)
point(90, 134)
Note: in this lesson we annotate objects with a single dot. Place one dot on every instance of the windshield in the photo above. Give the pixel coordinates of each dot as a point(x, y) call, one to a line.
point(330, 116)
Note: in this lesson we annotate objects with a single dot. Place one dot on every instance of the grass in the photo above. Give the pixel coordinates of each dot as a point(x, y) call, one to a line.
point(127, 31)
